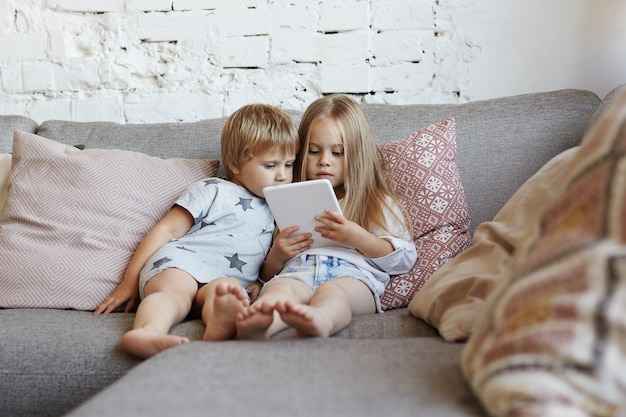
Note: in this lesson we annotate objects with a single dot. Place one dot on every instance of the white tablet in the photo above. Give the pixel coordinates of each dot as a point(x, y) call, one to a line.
point(297, 204)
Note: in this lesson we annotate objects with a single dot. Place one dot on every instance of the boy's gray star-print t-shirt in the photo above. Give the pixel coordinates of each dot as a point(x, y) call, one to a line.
point(230, 237)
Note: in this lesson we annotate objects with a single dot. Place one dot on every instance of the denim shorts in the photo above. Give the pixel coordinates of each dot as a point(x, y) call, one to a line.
point(314, 270)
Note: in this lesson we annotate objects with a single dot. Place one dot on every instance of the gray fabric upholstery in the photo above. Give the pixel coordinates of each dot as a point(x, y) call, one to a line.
point(314, 377)
point(53, 360)
point(8, 124)
point(67, 356)
point(501, 142)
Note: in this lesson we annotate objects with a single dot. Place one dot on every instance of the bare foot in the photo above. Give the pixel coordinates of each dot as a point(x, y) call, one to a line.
point(255, 321)
point(144, 343)
point(228, 302)
point(308, 321)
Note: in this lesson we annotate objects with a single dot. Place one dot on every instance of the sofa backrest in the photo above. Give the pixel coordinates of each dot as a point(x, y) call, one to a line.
point(501, 142)
point(8, 124)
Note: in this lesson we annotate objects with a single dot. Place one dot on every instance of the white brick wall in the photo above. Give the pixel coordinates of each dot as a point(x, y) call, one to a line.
point(134, 61)
point(183, 60)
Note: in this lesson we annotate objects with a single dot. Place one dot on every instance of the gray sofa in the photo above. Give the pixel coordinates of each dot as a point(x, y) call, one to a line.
point(58, 362)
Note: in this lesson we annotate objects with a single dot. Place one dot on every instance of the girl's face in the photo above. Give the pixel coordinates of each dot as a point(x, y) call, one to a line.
point(325, 156)
point(268, 168)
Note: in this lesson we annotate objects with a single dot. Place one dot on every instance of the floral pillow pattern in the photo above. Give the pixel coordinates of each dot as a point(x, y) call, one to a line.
point(424, 174)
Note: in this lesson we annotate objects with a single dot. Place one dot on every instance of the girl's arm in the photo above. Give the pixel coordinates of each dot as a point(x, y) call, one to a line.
point(284, 248)
point(393, 254)
point(173, 226)
point(338, 228)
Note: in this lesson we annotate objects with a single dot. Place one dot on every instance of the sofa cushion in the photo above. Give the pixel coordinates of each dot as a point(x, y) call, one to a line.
point(5, 170)
point(73, 218)
point(307, 378)
point(52, 360)
point(552, 341)
point(424, 175)
point(452, 297)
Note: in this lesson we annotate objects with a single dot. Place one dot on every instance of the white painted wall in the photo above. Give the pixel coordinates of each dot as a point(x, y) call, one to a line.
point(134, 61)
point(535, 45)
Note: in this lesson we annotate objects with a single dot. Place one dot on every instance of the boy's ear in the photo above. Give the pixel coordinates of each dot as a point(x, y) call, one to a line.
point(234, 169)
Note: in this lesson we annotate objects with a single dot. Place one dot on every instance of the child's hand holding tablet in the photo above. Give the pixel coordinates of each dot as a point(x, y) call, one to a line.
point(298, 203)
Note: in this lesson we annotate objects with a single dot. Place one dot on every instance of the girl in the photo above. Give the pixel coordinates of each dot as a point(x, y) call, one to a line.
point(317, 291)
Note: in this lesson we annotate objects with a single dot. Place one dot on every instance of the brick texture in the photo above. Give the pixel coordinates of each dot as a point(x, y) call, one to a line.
point(136, 61)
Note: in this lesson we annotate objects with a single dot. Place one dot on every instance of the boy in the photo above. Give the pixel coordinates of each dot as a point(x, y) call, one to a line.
point(210, 246)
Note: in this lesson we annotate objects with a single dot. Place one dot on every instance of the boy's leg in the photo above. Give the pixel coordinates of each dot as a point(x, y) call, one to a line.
point(167, 301)
point(260, 320)
point(331, 308)
point(220, 300)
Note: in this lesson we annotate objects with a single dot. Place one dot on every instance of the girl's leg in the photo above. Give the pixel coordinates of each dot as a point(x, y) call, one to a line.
point(220, 300)
point(167, 301)
point(331, 308)
point(260, 320)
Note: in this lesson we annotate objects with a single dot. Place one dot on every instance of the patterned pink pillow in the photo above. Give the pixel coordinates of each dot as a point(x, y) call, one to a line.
point(425, 176)
point(73, 218)
point(552, 340)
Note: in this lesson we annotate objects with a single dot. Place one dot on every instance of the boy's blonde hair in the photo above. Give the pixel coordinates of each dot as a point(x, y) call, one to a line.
point(254, 129)
point(365, 192)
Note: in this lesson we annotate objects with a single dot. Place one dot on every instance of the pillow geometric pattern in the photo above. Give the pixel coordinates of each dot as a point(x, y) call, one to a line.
point(553, 341)
point(73, 218)
point(424, 175)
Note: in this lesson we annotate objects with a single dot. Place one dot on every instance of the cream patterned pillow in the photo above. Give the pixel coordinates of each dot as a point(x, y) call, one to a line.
point(552, 341)
point(424, 175)
point(73, 218)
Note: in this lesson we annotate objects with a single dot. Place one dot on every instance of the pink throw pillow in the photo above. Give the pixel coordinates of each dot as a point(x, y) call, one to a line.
point(73, 218)
point(424, 174)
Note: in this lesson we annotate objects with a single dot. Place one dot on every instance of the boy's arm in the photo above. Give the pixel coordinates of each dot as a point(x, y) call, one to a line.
point(173, 226)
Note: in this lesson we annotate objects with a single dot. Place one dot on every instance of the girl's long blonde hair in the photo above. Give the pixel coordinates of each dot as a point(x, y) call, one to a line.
point(366, 192)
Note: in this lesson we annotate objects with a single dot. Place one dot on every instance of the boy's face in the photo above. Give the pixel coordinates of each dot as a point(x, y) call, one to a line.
point(268, 168)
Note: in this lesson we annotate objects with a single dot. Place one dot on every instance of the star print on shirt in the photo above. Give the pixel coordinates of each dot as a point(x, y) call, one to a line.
point(204, 224)
point(184, 248)
point(210, 181)
point(235, 262)
point(245, 203)
point(161, 261)
point(201, 216)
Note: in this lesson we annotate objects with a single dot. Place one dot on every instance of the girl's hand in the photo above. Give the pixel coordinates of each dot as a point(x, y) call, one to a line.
point(124, 293)
point(286, 247)
point(283, 249)
point(338, 228)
